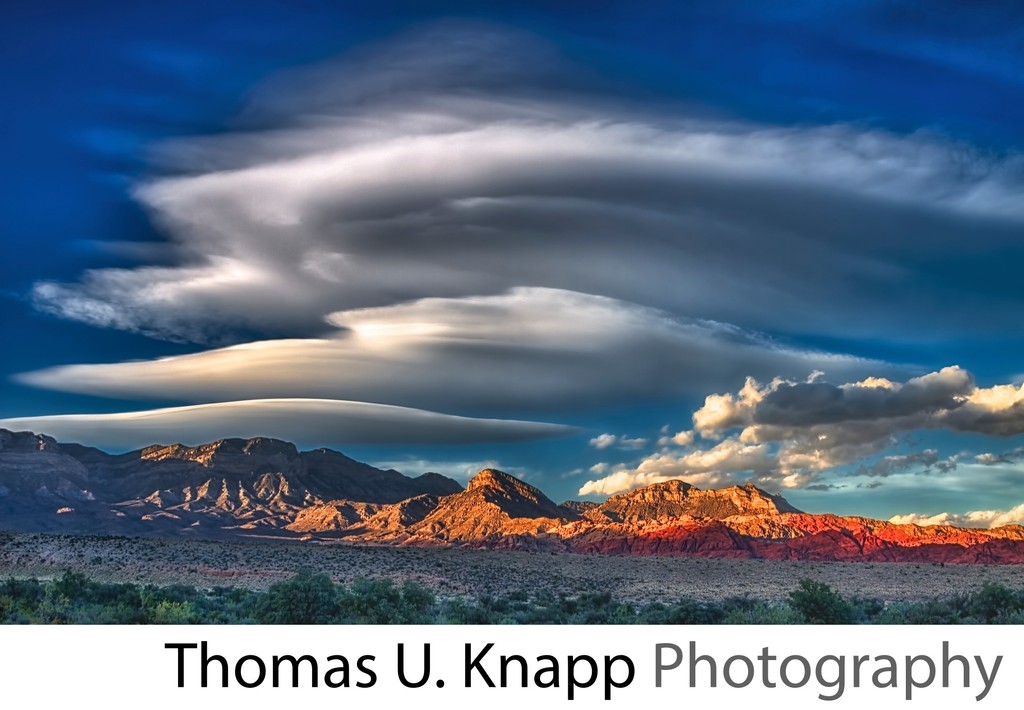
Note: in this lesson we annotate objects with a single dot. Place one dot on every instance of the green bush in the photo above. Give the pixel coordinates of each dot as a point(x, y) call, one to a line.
point(306, 598)
point(818, 603)
point(310, 598)
point(994, 600)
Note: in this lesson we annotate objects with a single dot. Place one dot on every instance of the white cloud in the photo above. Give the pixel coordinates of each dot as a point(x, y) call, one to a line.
point(604, 441)
point(305, 422)
point(918, 519)
point(682, 438)
point(786, 434)
point(726, 463)
point(973, 519)
point(726, 411)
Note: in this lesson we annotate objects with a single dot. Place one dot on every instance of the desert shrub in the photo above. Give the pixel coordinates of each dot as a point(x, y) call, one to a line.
point(1011, 617)
point(306, 598)
point(170, 612)
point(23, 591)
point(71, 586)
point(463, 611)
point(418, 602)
point(933, 611)
point(683, 611)
point(994, 600)
point(7, 609)
point(314, 598)
point(761, 612)
point(866, 610)
point(380, 601)
point(818, 603)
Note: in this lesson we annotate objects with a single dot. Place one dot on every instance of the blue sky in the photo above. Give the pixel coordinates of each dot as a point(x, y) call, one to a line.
point(595, 244)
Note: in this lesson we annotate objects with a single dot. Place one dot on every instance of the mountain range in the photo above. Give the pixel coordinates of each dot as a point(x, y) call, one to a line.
point(266, 487)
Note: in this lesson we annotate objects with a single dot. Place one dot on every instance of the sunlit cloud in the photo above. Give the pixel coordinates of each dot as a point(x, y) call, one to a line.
point(786, 434)
point(305, 422)
point(973, 519)
point(528, 349)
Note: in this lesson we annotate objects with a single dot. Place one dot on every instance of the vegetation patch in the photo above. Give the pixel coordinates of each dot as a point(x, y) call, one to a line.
point(313, 598)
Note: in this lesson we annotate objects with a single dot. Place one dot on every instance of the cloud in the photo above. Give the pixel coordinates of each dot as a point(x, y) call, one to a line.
point(442, 165)
point(786, 433)
point(726, 411)
point(860, 412)
point(1006, 457)
point(924, 461)
point(527, 349)
point(682, 438)
point(305, 422)
point(918, 519)
point(973, 519)
point(604, 441)
point(727, 463)
point(823, 487)
point(997, 411)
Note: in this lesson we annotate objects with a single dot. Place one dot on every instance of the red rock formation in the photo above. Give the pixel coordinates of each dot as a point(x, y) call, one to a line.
point(236, 486)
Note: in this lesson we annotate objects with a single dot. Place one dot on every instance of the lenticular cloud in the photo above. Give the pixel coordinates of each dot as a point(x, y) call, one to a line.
point(441, 165)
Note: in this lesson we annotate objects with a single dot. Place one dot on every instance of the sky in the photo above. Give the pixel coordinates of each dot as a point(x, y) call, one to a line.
point(597, 245)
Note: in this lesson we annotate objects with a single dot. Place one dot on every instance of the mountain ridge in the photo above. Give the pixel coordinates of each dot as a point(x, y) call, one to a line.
point(267, 487)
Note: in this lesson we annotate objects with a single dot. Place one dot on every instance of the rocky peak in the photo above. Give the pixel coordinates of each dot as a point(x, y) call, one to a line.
point(517, 498)
point(673, 499)
point(26, 442)
point(493, 478)
point(224, 450)
point(264, 446)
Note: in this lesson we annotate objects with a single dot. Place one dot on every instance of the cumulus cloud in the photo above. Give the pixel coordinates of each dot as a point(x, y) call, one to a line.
point(441, 164)
point(305, 422)
point(799, 430)
point(530, 348)
point(859, 412)
point(604, 441)
point(682, 438)
point(1006, 457)
point(918, 519)
point(726, 463)
point(973, 519)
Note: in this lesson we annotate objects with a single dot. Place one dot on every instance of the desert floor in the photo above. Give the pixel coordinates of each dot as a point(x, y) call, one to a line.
point(452, 572)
